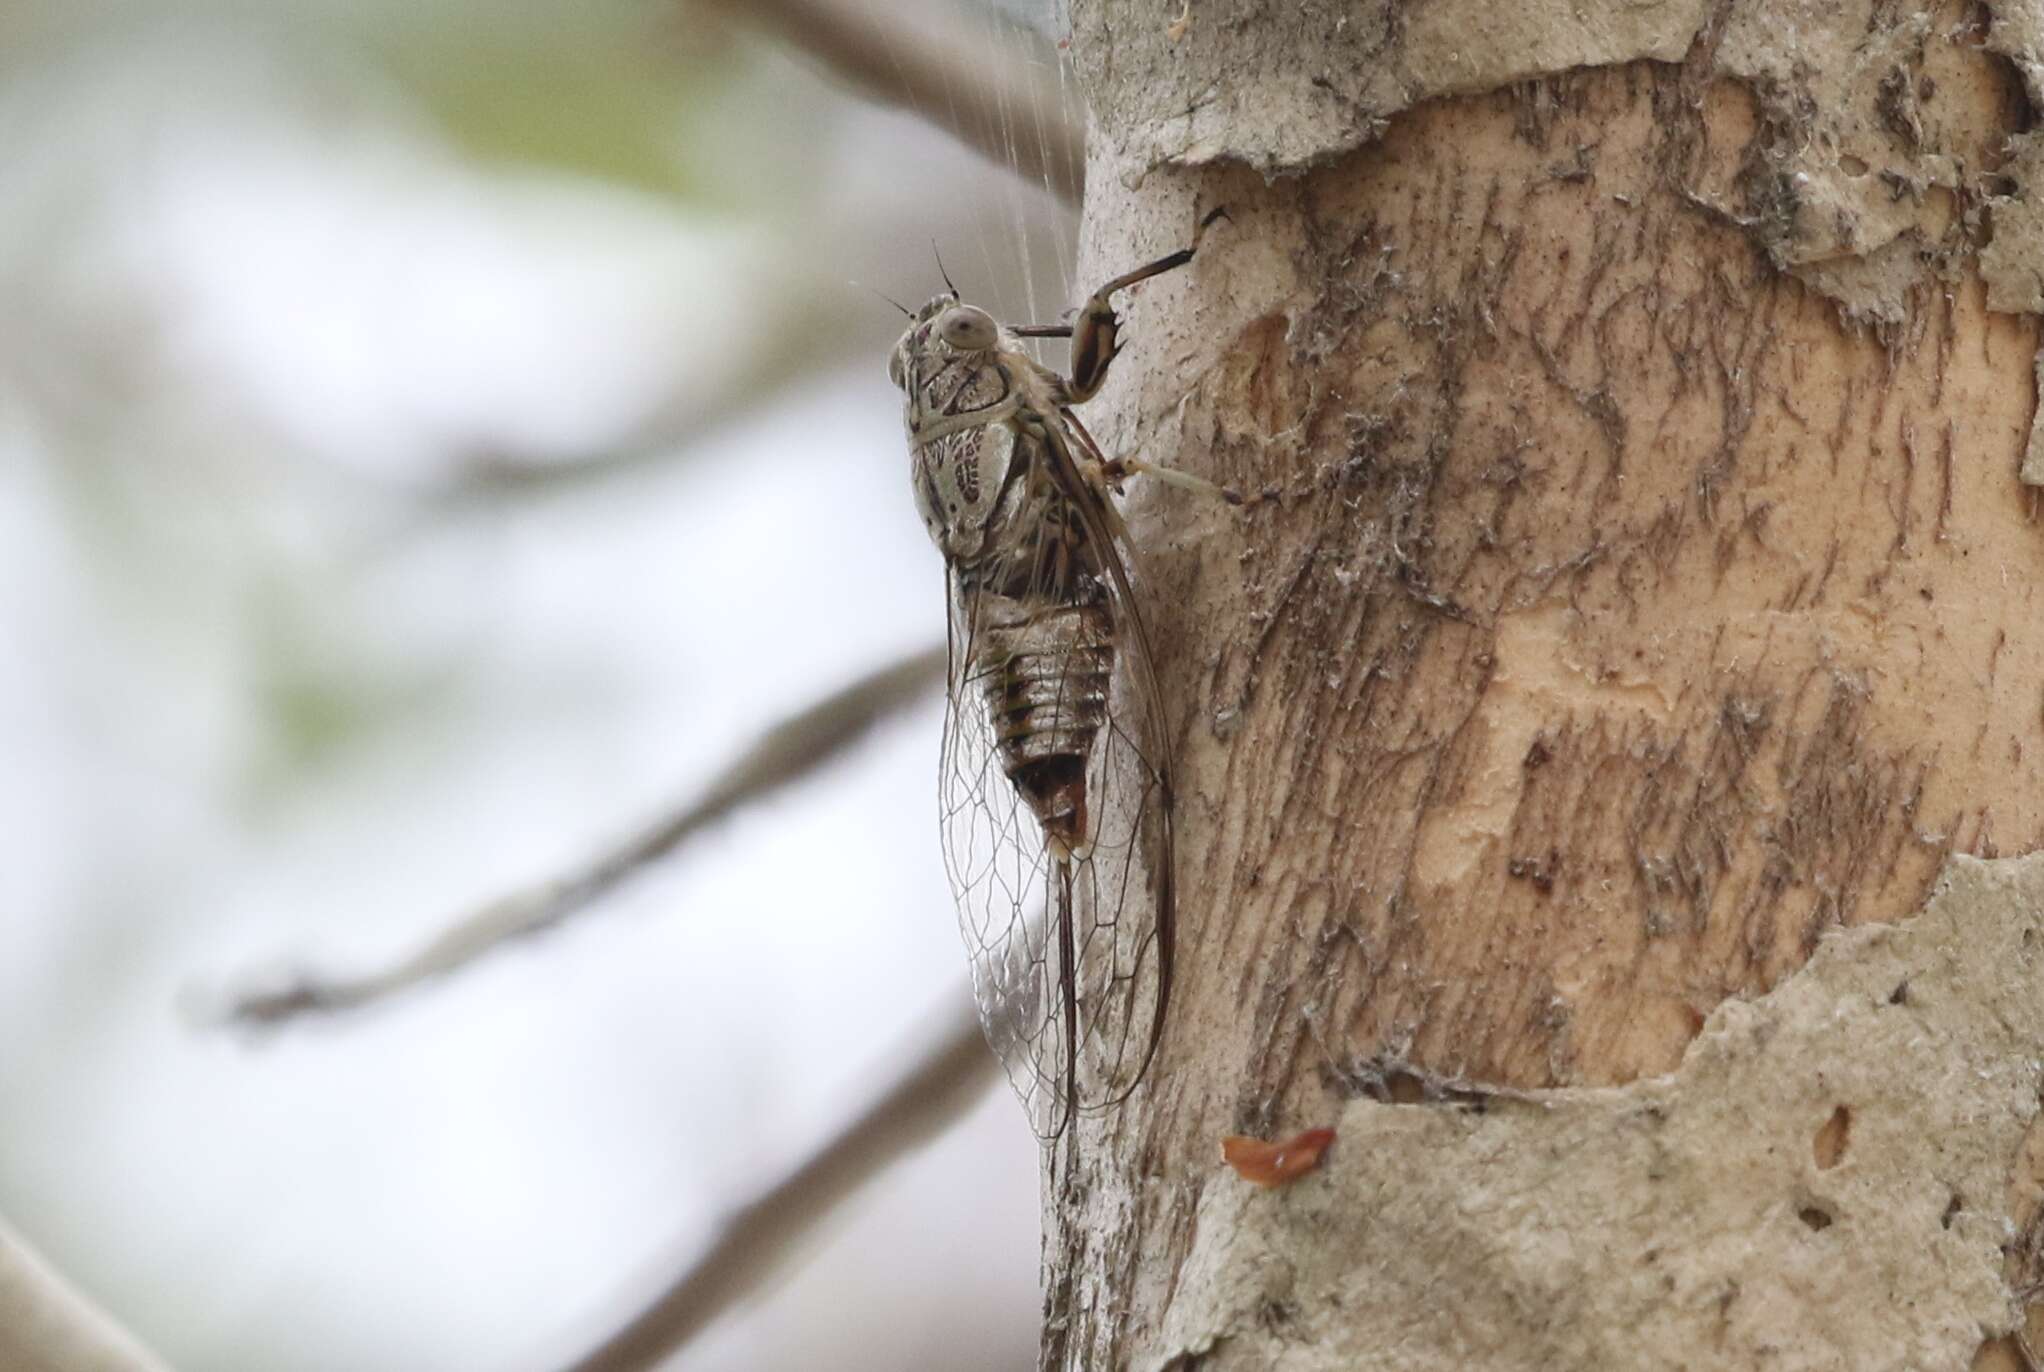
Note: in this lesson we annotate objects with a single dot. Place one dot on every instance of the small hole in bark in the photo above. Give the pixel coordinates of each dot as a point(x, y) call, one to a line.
point(1404, 1088)
point(1900, 995)
point(1852, 166)
point(1397, 1083)
point(1952, 1209)
point(1816, 1217)
point(1832, 1137)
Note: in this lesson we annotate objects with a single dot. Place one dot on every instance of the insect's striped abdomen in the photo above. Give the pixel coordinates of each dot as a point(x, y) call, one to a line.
point(1044, 670)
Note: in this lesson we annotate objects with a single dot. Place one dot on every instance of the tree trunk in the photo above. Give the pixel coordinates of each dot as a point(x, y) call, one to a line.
point(1591, 732)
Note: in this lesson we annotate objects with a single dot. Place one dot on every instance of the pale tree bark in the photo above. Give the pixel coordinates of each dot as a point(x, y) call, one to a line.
point(1608, 745)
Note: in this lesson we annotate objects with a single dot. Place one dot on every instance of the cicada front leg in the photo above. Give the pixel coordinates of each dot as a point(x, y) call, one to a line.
point(1095, 332)
point(1096, 339)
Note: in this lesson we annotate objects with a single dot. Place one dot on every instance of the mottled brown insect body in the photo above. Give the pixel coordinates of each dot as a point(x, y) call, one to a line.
point(1055, 779)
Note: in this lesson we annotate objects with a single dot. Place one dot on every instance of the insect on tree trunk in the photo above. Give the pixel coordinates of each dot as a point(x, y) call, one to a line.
point(1608, 738)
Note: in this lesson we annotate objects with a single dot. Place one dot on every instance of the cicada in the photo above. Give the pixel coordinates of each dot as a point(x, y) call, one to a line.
point(1055, 770)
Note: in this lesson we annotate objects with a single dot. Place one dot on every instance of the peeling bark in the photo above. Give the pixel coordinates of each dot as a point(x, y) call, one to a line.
point(1638, 587)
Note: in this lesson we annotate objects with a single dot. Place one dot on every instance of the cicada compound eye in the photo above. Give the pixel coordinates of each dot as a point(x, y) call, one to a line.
point(968, 328)
point(894, 372)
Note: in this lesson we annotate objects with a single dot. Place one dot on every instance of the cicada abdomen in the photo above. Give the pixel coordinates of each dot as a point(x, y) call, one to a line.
point(1055, 782)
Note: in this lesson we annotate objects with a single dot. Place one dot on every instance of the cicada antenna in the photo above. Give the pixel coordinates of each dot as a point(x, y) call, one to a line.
point(884, 296)
point(940, 269)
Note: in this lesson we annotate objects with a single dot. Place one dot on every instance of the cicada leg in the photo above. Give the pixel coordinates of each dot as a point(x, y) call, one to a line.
point(1095, 332)
point(1115, 469)
point(1112, 471)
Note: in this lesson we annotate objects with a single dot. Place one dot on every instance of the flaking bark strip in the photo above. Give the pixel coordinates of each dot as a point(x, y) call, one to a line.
point(1618, 1227)
point(2033, 453)
point(2012, 263)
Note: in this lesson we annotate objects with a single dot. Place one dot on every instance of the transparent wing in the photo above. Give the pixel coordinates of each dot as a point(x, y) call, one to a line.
point(1070, 953)
point(1001, 875)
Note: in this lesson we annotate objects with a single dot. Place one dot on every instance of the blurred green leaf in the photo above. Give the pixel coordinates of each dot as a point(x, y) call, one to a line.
point(637, 93)
point(588, 104)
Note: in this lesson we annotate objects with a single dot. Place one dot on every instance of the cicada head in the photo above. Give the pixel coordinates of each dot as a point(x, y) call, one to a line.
point(941, 332)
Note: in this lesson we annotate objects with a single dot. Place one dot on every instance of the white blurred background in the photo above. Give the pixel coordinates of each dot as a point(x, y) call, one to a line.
point(435, 435)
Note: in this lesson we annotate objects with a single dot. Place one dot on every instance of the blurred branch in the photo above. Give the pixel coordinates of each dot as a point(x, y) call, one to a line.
point(787, 752)
point(759, 1238)
point(917, 57)
point(47, 1326)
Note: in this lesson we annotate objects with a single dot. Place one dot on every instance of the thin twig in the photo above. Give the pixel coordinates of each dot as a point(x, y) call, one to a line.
point(759, 1238)
point(788, 751)
point(915, 57)
point(46, 1325)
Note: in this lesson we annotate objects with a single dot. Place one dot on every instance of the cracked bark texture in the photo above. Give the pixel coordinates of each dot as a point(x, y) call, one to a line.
point(1638, 587)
